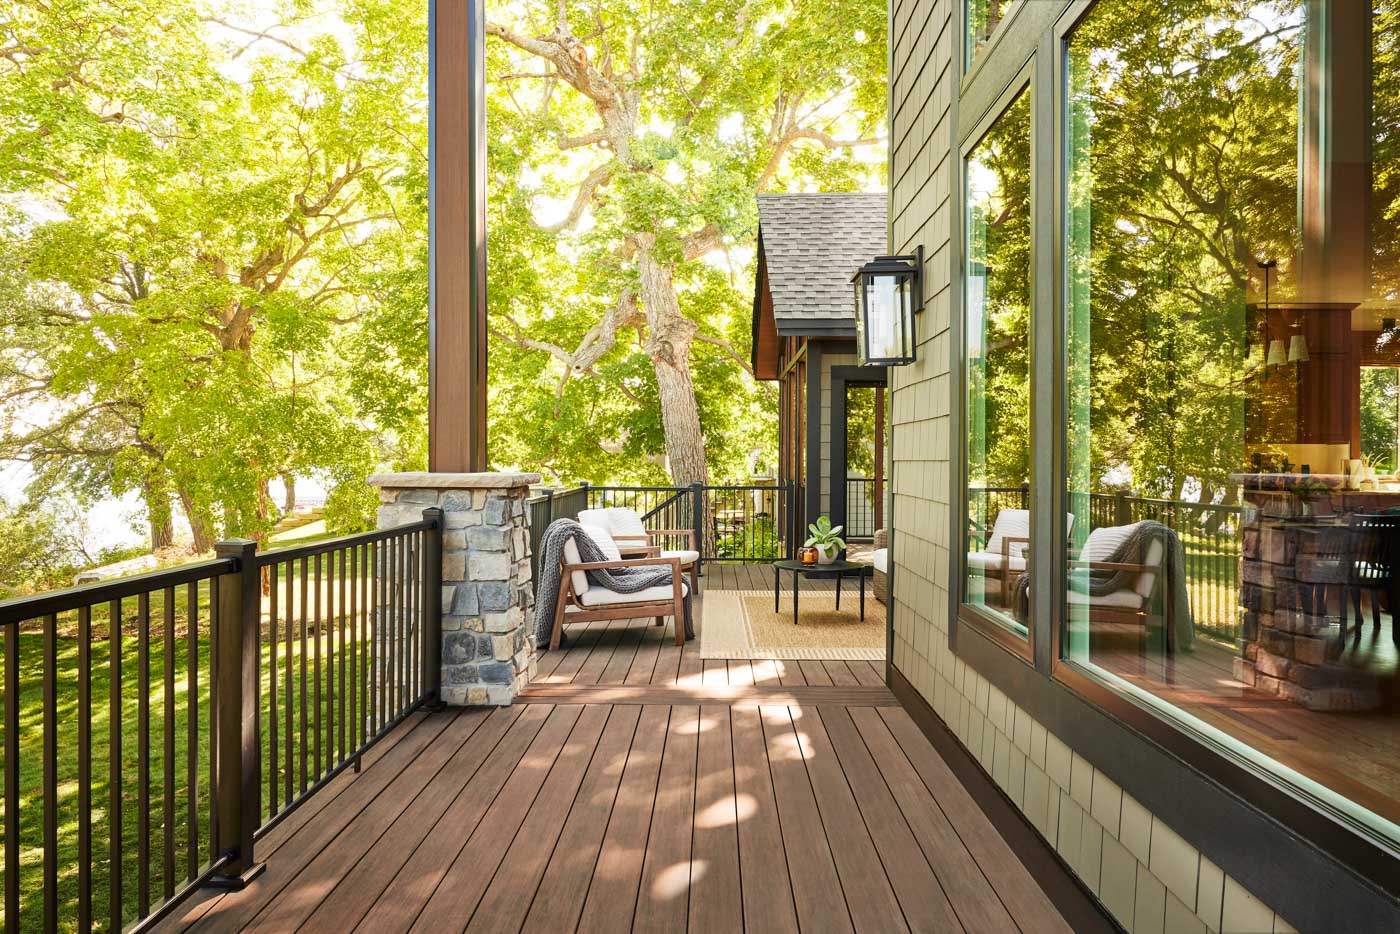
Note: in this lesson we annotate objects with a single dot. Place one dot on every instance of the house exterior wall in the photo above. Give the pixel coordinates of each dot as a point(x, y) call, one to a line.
point(1146, 874)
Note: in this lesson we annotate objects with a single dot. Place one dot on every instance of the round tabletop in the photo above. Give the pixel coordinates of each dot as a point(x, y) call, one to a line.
point(835, 567)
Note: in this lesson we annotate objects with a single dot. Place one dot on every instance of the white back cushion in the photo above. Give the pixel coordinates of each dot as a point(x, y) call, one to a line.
point(1010, 523)
point(626, 522)
point(595, 517)
point(1104, 540)
point(571, 556)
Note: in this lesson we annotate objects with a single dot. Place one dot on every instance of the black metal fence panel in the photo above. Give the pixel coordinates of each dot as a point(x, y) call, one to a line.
point(125, 752)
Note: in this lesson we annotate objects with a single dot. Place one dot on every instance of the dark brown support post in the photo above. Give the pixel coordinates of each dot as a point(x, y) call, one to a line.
point(432, 604)
point(457, 240)
point(879, 457)
point(236, 710)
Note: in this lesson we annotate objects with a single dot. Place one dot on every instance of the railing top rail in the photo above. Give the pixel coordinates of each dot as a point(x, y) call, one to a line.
point(293, 552)
point(635, 489)
point(554, 494)
point(19, 609)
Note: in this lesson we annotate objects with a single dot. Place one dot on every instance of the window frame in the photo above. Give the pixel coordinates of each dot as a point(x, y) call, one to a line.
point(989, 623)
point(1317, 869)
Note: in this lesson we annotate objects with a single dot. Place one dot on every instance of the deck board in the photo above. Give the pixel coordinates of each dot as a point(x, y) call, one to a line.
point(636, 786)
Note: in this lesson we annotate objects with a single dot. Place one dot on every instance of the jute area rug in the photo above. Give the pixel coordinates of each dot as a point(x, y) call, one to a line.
point(742, 624)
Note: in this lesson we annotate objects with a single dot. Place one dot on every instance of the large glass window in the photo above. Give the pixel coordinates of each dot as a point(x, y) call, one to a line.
point(1232, 201)
point(998, 222)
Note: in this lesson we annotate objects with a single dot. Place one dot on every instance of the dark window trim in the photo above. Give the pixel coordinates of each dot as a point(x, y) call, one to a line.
point(1316, 871)
point(841, 378)
point(1024, 646)
point(813, 404)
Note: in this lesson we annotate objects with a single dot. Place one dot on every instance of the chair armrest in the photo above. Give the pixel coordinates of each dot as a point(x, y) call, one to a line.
point(646, 551)
point(663, 533)
point(1114, 566)
point(673, 563)
point(1006, 546)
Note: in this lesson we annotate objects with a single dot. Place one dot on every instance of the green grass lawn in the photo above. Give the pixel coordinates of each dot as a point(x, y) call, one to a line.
point(186, 861)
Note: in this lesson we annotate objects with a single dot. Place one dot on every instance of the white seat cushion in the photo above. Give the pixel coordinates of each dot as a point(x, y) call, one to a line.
point(685, 556)
point(991, 561)
point(601, 596)
point(881, 560)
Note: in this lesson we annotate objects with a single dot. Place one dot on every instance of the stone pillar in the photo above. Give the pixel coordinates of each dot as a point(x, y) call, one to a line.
point(487, 595)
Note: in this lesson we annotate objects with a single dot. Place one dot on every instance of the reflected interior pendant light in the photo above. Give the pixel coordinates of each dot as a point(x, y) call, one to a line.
point(1276, 355)
point(1298, 349)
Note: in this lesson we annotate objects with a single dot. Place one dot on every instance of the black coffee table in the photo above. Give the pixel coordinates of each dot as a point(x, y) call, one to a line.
point(836, 569)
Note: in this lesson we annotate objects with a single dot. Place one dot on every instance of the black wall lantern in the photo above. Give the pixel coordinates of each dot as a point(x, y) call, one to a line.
point(888, 292)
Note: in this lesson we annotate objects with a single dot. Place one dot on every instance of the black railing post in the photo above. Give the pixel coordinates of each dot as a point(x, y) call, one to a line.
point(697, 510)
point(237, 743)
point(432, 604)
point(587, 499)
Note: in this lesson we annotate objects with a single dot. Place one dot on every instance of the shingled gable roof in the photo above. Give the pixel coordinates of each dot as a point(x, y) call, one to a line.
point(809, 246)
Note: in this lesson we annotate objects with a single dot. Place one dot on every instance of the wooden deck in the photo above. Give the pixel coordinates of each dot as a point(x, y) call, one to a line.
point(638, 787)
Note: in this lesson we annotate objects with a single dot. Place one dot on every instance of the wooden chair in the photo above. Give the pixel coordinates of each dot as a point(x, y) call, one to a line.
point(633, 538)
point(1373, 541)
point(1145, 602)
point(581, 600)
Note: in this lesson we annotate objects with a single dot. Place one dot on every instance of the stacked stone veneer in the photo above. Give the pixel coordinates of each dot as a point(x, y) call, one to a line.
point(1286, 632)
point(487, 594)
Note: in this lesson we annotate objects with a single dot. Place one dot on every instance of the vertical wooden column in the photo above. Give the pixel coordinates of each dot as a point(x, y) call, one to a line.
point(457, 250)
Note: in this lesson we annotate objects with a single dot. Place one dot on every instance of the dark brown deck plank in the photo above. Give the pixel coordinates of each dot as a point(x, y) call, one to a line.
point(236, 909)
point(597, 662)
point(564, 663)
point(968, 890)
point(839, 673)
point(664, 895)
point(716, 902)
point(867, 673)
point(668, 663)
point(648, 653)
point(505, 900)
point(716, 672)
point(916, 886)
point(692, 667)
point(564, 886)
point(767, 890)
point(612, 895)
point(698, 694)
point(789, 672)
point(1027, 903)
point(414, 883)
point(816, 888)
point(740, 672)
point(814, 672)
point(465, 881)
point(628, 642)
point(869, 894)
point(361, 886)
point(295, 903)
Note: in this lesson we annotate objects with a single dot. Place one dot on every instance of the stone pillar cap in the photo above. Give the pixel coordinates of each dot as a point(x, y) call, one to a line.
point(424, 480)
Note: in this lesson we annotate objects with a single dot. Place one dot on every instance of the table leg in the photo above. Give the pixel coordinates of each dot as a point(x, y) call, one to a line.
point(838, 592)
point(860, 582)
point(796, 586)
point(776, 575)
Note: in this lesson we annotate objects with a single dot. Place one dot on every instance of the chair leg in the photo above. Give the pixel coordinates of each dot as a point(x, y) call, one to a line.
point(660, 621)
point(679, 615)
point(695, 577)
point(1376, 612)
point(1360, 617)
point(558, 631)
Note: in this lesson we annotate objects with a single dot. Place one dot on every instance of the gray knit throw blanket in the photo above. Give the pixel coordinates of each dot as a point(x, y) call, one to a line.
point(1133, 550)
point(619, 580)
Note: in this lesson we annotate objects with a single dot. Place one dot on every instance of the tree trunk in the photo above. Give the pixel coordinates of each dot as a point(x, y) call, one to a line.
point(669, 335)
point(199, 525)
point(289, 494)
point(160, 517)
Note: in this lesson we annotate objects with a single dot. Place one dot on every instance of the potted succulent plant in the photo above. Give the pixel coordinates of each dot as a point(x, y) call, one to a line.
point(826, 538)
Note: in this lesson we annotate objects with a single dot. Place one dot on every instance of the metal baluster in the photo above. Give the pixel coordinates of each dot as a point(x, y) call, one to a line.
point(272, 713)
point(301, 687)
point(114, 765)
point(316, 666)
point(290, 776)
point(50, 691)
point(143, 754)
point(167, 799)
point(84, 769)
point(192, 730)
point(340, 658)
point(12, 778)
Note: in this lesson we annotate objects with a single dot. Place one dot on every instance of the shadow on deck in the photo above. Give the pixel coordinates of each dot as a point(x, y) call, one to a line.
point(637, 786)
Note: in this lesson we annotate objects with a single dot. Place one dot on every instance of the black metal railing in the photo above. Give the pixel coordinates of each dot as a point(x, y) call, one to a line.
point(860, 508)
point(1209, 532)
point(729, 522)
point(156, 726)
